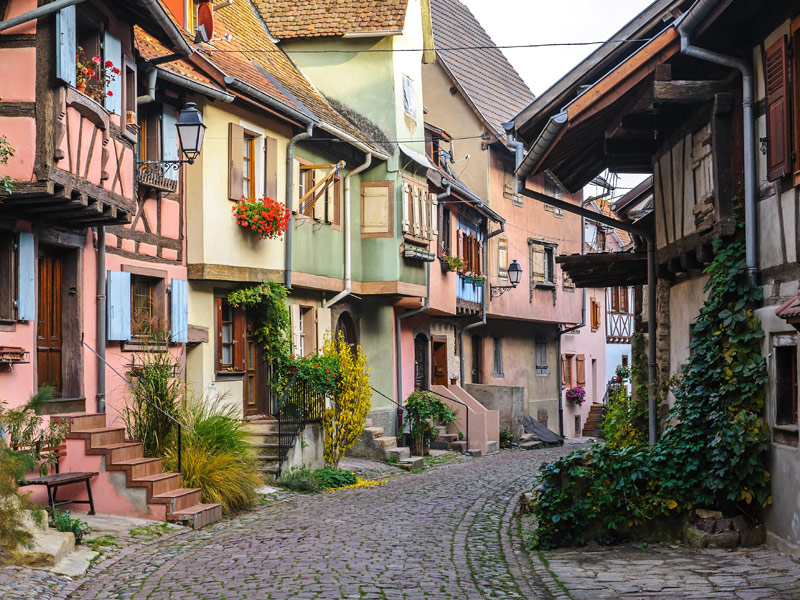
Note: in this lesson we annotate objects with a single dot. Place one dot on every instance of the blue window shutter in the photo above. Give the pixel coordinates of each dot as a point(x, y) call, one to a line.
point(66, 45)
point(26, 278)
point(179, 331)
point(169, 137)
point(118, 313)
point(112, 50)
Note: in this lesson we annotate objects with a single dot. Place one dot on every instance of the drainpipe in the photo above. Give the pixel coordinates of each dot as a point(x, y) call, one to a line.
point(287, 273)
point(693, 18)
point(150, 96)
point(398, 343)
point(348, 280)
point(101, 319)
point(36, 13)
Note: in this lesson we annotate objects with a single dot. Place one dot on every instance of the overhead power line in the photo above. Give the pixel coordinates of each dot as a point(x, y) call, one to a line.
point(451, 49)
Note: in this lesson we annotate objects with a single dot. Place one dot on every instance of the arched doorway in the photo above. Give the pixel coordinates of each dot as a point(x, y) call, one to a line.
point(421, 362)
point(347, 327)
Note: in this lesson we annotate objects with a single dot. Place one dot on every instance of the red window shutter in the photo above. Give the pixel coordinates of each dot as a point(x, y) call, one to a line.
point(564, 367)
point(239, 339)
point(218, 327)
point(778, 132)
point(580, 369)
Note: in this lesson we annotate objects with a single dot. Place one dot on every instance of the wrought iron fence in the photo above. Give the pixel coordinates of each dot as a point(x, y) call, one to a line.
point(296, 407)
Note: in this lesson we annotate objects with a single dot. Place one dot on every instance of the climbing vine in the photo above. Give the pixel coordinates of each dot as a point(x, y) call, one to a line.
point(625, 416)
point(6, 152)
point(712, 455)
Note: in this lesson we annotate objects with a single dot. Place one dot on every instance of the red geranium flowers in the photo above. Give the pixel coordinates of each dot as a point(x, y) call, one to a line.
point(267, 217)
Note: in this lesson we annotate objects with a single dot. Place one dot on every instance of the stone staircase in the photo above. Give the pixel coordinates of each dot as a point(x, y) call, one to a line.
point(593, 427)
point(448, 441)
point(262, 434)
point(126, 467)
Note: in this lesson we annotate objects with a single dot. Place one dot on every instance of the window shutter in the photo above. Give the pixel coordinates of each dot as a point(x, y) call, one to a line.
point(375, 203)
point(179, 331)
point(296, 185)
point(537, 262)
point(66, 45)
point(323, 325)
point(112, 50)
point(777, 81)
point(239, 339)
point(218, 330)
point(564, 381)
point(169, 138)
point(434, 215)
point(294, 314)
point(406, 208)
point(271, 167)
point(424, 205)
point(415, 209)
point(118, 295)
point(235, 161)
point(580, 369)
point(26, 278)
point(502, 257)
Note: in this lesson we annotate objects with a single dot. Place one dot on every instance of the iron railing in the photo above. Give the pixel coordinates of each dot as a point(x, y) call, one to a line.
point(296, 407)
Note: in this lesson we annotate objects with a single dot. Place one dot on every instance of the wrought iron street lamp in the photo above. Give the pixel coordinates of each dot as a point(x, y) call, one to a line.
point(514, 276)
point(191, 131)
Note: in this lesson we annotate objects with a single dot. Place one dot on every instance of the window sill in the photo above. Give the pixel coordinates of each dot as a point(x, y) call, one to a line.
point(229, 376)
point(787, 428)
point(139, 345)
point(415, 240)
point(545, 285)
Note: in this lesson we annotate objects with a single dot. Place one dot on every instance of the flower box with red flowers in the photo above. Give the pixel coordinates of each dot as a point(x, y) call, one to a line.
point(266, 217)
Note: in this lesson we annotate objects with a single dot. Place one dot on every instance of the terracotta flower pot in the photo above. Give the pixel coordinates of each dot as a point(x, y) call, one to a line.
point(81, 87)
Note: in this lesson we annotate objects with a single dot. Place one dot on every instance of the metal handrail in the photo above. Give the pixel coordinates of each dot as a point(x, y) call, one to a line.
point(158, 408)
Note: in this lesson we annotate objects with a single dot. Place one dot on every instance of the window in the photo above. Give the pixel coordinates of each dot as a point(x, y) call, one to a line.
point(624, 360)
point(444, 231)
point(304, 329)
point(301, 341)
point(230, 330)
point(7, 275)
point(595, 313)
point(566, 370)
point(377, 209)
point(469, 251)
point(131, 93)
point(543, 271)
point(619, 300)
point(420, 208)
point(566, 282)
point(785, 385)
point(541, 357)
point(497, 363)
point(502, 257)
point(409, 99)
point(148, 316)
point(782, 81)
point(248, 167)
point(553, 189)
point(601, 239)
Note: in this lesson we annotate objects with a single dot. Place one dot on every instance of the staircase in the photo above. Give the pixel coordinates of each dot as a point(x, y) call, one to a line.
point(262, 435)
point(480, 425)
point(448, 441)
point(594, 422)
point(122, 464)
point(388, 443)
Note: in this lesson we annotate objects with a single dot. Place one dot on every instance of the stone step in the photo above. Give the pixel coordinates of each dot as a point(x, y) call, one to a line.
point(368, 423)
point(48, 549)
point(199, 515)
point(440, 444)
point(388, 441)
point(119, 452)
point(80, 421)
point(459, 446)
point(264, 428)
point(412, 463)
point(178, 499)
point(100, 436)
point(400, 453)
point(139, 467)
point(448, 437)
point(161, 483)
point(474, 452)
point(376, 432)
point(492, 447)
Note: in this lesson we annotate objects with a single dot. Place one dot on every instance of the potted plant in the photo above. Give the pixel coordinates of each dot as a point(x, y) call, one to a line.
point(425, 411)
point(267, 217)
point(450, 263)
point(93, 76)
point(468, 278)
point(478, 280)
point(576, 395)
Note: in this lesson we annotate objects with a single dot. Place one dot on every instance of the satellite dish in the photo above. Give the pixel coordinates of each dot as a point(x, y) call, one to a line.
point(205, 18)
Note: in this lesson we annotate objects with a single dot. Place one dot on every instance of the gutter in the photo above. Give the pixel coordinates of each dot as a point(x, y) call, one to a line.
point(348, 279)
point(542, 144)
point(333, 130)
point(686, 27)
point(194, 86)
point(248, 89)
point(287, 273)
point(101, 319)
point(36, 13)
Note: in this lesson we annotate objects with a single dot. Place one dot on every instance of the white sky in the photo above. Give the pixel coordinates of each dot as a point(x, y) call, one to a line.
point(511, 22)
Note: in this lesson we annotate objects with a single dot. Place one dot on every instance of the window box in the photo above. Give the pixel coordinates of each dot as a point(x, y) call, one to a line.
point(10, 355)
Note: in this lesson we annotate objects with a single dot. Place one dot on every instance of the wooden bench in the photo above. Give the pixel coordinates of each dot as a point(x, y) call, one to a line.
point(56, 480)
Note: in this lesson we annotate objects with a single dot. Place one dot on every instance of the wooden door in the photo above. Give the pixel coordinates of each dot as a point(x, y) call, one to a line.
point(440, 363)
point(420, 363)
point(251, 371)
point(49, 340)
point(477, 359)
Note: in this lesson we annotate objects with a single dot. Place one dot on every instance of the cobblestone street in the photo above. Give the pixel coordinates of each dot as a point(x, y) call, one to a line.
point(449, 532)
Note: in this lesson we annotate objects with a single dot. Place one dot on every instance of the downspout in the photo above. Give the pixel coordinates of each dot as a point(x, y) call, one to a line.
point(150, 96)
point(287, 273)
point(36, 13)
point(348, 279)
point(686, 28)
point(101, 319)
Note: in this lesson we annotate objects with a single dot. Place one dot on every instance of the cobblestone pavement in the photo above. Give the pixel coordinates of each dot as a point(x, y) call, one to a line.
point(449, 532)
point(667, 573)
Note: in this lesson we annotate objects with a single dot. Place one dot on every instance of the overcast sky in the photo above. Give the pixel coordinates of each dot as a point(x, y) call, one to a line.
point(510, 22)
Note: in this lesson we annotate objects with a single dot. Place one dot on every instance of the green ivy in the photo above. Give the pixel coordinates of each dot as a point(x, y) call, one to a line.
point(6, 152)
point(713, 454)
point(625, 416)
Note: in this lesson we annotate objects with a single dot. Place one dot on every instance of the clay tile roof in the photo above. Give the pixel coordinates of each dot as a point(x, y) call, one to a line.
point(485, 76)
point(151, 48)
point(288, 19)
point(624, 236)
point(789, 309)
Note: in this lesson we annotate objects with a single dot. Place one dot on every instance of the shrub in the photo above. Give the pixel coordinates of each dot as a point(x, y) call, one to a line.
point(302, 478)
point(62, 522)
point(344, 421)
point(155, 396)
point(215, 455)
point(713, 455)
point(506, 437)
point(424, 411)
point(625, 416)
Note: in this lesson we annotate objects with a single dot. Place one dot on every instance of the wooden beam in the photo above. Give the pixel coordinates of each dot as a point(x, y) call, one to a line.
point(685, 91)
point(631, 147)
